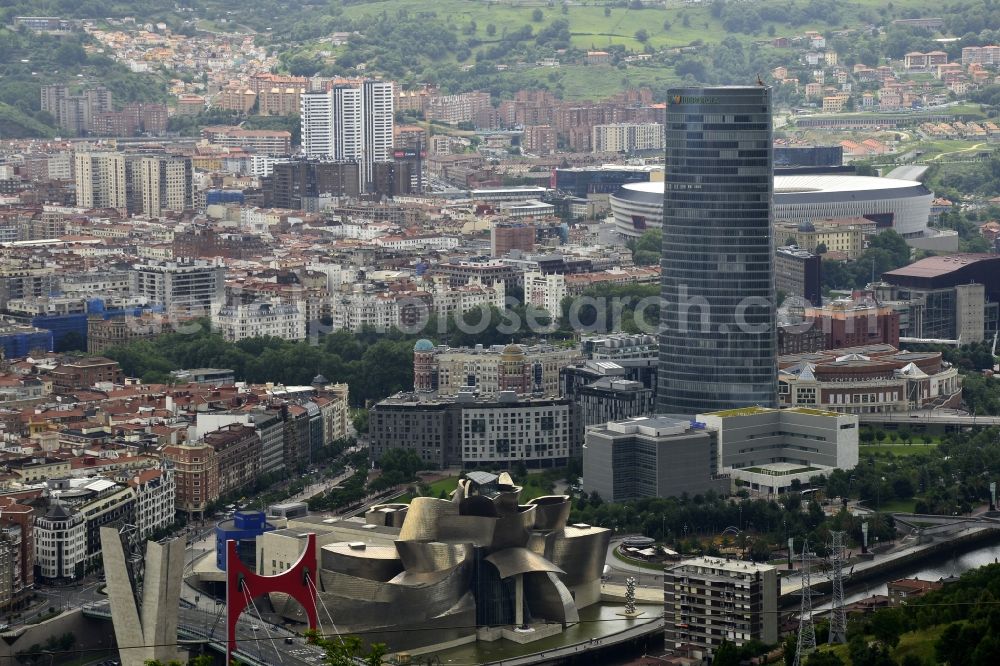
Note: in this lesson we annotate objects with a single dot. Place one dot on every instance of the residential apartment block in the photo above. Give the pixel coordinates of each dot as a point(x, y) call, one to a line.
point(627, 137)
point(475, 431)
point(710, 600)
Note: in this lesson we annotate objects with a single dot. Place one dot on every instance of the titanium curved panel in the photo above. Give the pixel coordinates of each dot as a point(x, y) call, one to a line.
point(541, 544)
point(425, 517)
point(513, 529)
point(424, 557)
point(506, 500)
point(379, 563)
point(581, 552)
point(477, 530)
point(477, 505)
point(551, 512)
point(360, 603)
point(549, 598)
point(513, 561)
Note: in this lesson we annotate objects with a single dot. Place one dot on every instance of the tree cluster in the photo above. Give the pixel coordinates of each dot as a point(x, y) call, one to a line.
point(886, 251)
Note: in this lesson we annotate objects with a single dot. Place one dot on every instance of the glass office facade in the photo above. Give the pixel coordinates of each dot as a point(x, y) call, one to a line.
point(717, 339)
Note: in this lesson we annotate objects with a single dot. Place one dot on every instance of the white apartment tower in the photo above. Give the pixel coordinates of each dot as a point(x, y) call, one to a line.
point(316, 109)
point(351, 123)
point(377, 107)
point(348, 124)
point(159, 183)
point(100, 180)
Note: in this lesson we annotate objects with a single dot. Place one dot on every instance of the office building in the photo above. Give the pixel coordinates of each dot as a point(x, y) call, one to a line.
point(637, 354)
point(310, 185)
point(650, 457)
point(195, 287)
point(808, 156)
point(605, 391)
point(718, 341)
point(100, 180)
point(709, 600)
point(798, 273)
point(768, 449)
point(270, 429)
point(842, 323)
point(602, 179)
point(244, 528)
point(953, 297)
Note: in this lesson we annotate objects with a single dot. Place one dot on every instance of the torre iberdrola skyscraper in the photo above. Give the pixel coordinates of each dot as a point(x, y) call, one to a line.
point(717, 337)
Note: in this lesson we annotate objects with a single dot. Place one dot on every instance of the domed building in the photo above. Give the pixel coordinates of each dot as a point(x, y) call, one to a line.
point(424, 373)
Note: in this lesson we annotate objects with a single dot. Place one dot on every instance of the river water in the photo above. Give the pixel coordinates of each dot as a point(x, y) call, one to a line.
point(941, 566)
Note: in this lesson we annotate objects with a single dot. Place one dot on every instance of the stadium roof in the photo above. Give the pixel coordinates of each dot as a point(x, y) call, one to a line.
point(809, 183)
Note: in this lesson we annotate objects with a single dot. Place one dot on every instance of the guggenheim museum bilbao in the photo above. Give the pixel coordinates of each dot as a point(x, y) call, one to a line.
point(902, 205)
point(477, 566)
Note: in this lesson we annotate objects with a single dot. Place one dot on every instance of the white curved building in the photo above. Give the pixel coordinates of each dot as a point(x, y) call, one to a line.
point(903, 205)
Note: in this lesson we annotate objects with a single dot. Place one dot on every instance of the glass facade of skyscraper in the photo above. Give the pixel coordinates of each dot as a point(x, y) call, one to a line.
point(717, 338)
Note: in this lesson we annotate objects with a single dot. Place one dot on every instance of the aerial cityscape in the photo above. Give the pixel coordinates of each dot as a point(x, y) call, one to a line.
point(502, 332)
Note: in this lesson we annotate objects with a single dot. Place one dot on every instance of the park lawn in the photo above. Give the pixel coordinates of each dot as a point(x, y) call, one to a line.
point(919, 643)
point(898, 506)
point(591, 29)
point(600, 81)
point(447, 484)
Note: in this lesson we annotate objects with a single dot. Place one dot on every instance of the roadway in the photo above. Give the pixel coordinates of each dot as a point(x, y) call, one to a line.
point(619, 571)
point(935, 417)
